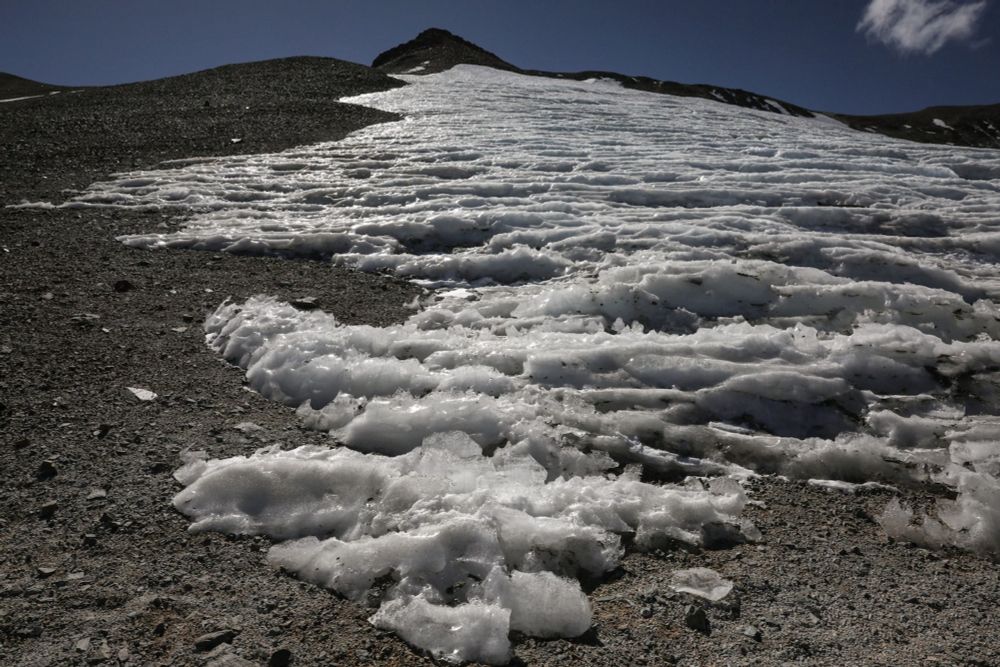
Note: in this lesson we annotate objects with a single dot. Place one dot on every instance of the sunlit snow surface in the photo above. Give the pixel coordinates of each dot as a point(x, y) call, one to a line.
point(625, 278)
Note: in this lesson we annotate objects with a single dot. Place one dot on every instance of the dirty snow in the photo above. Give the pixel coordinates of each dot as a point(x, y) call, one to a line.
point(624, 279)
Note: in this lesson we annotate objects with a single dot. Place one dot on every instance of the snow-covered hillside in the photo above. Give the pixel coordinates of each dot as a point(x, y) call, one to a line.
point(623, 279)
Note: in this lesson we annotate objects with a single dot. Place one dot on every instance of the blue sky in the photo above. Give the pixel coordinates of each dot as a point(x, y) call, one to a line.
point(805, 51)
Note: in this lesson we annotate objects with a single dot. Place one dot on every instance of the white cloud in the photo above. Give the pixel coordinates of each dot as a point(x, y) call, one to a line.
point(920, 26)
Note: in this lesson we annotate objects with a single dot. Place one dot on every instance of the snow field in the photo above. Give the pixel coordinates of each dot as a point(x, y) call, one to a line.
point(622, 279)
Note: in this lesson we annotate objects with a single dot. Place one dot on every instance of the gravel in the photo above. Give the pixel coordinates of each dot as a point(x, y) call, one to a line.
point(97, 568)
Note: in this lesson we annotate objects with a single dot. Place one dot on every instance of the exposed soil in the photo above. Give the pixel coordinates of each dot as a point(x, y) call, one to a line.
point(97, 568)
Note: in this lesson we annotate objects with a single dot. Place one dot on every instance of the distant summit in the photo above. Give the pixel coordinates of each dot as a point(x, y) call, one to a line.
point(436, 50)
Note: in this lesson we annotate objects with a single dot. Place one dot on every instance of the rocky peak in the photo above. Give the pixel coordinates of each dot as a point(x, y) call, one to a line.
point(435, 50)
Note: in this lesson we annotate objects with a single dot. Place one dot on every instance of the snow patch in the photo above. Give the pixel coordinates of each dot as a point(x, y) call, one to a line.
point(482, 544)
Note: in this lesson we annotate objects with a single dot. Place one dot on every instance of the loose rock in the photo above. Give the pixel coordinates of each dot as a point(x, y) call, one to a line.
point(280, 658)
point(48, 510)
point(212, 639)
point(696, 619)
point(46, 471)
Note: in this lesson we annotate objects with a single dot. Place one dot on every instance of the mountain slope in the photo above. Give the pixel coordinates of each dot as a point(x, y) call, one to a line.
point(962, 126)
point(16, 86)
point(435, 50)
point(245, 108)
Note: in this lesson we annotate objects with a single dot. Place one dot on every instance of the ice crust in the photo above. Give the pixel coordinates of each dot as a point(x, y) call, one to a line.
point(631, 279)
point(701, 582)
point(468, 547)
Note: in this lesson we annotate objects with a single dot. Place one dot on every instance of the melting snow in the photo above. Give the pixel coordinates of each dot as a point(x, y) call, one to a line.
point(631, 278)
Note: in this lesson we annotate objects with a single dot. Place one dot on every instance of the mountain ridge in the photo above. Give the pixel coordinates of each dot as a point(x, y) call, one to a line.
point(436, 49)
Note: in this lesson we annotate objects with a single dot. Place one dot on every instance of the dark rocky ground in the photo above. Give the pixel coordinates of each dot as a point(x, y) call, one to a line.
point(964, 126)
point(97, 568)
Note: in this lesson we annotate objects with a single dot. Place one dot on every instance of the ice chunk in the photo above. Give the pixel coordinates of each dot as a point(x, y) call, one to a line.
point(470, 632)
point(142, 394)
point(701, 581)
point(971, 521)
point(541, 603)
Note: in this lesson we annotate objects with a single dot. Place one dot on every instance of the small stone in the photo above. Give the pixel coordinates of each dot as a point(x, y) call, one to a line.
point(45, 571)
point(280, 658)
point(48, 510)
point(47, 470)
point(248, 427)
point(102, 430)
point(212, 639)
point(717, 535)
point(97, 494)
point(753, 632)
point(85, 319)
point(696, 619)
point(230, 660)
point(305, 303)
point(89, 539)
point(82, 645)
point(647, 612)
point(102, 654)
point(123, 654)
point(48, 296)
